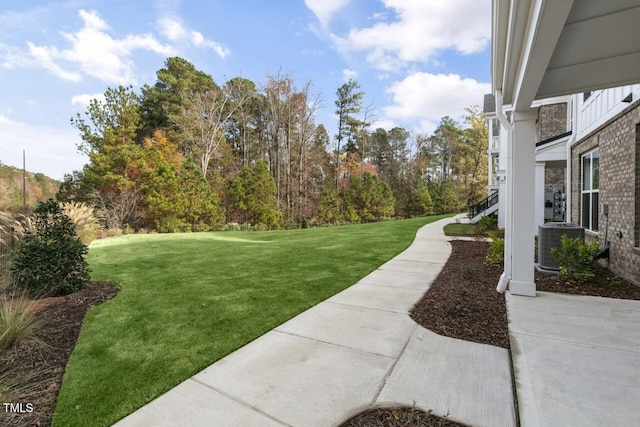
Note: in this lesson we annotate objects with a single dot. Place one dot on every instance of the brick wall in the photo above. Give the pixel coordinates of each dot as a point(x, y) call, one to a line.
point(619, 188)
point(637, 200)
point(552, 121)
point(553, 176)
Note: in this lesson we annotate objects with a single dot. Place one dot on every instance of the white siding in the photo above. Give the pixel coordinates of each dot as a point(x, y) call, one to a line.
point(601, 106)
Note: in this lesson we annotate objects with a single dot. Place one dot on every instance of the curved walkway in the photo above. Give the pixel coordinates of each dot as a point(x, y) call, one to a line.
point(356, 350)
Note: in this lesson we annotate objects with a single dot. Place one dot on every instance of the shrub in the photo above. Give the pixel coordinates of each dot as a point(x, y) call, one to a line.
point(495, 255)
point(486, 223)
point(51, 260)
point(575, 257)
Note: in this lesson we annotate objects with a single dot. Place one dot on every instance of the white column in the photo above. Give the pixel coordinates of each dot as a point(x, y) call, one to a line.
point(506, 203)
point(539, 196)
point(490, 168)
point(522, 203)
point(502, 197)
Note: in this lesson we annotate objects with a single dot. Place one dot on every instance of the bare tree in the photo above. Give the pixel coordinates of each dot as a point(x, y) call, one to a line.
point(204, 118)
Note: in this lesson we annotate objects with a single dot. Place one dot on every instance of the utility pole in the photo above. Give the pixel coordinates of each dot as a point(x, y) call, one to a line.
point(24, 181)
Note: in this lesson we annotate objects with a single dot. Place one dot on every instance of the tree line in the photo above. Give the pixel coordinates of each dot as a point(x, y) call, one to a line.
point(187, 152)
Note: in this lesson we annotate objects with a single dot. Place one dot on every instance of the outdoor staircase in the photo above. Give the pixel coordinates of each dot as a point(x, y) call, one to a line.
point(484, 208)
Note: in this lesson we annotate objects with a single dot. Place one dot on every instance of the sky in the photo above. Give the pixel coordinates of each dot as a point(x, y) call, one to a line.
point(416, 60)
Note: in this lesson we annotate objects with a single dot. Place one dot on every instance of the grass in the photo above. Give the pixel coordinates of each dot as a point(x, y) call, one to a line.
point(479, 229)
point(460, 229)
point(15, 387)
point(187, 300)
point(18, 321)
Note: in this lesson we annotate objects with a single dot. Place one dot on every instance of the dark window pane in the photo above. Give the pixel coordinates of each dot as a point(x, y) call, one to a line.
point(586, 173)
point(594, 211)
point(586, 207)
point(595, 166)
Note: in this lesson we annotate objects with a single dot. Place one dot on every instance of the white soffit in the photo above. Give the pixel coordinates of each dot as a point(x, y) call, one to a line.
point(599, 47)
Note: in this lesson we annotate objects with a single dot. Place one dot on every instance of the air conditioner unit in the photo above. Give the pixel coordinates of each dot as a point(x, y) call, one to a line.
point(550, 236)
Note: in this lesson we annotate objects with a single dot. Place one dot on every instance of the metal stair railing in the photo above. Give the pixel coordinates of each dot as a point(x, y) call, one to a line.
point(478, 208)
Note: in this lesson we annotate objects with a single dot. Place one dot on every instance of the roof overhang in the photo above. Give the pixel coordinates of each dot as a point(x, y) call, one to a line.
point(547, 48)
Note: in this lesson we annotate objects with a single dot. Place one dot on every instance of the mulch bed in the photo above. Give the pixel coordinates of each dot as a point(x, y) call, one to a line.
point(398, 417)
point(44, 365)
point(603, 284)
point(462, 302)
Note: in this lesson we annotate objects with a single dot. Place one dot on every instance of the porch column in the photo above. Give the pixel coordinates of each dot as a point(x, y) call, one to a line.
point(539, 199)
point(522, 203)
point(502, 205)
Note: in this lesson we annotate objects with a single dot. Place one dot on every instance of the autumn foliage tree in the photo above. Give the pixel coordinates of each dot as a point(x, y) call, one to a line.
point(117, 166)
point(188, 153)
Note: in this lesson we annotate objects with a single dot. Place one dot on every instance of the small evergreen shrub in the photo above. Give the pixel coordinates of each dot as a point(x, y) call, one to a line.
point(575, 257)
point(495, 255)
point(486, 223)
point(50, 261)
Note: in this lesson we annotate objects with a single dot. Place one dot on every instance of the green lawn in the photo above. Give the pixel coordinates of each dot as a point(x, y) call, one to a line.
point(455, 229)
point(186, 300)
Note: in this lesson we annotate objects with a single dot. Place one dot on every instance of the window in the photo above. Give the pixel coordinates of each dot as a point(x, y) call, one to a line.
point(590, 189)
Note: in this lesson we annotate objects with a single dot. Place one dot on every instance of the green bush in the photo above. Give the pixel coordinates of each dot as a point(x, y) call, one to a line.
point(576, 258)
point(495, 255)
point(486, 223)
point(50, 261)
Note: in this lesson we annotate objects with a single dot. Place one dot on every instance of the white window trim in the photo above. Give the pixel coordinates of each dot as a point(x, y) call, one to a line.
point(590, 191)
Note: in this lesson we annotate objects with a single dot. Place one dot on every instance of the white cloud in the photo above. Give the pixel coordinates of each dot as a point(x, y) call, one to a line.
point(175, 31)
point(384, 124)
point(51, 151)
point(6, 121)
point(101, 56)
point(93, 52)
point(44, 56)
point(426, 98)
point(324, 9)
point(348, 74)
point(171, 29)
point(13, 57)
point(422, 30)
point(85, 98)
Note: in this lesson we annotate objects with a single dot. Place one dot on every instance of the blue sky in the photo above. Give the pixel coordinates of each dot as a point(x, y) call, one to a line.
point(417, 60)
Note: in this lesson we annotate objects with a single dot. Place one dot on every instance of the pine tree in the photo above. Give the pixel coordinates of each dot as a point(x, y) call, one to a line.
point(420, 203)
point(329, 205)
point(253, 196)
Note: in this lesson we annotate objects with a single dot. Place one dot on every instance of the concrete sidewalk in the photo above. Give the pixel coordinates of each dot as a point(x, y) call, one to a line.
point(576, 360)
point(356, 350)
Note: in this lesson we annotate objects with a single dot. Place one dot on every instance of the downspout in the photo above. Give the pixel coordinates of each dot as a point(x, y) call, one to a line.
point(572, 140)
point(505, 277)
